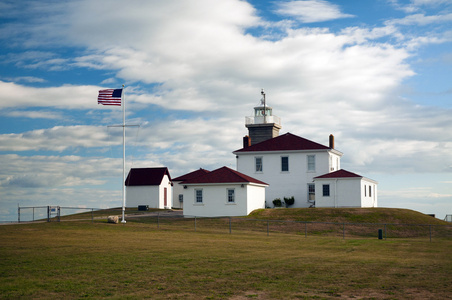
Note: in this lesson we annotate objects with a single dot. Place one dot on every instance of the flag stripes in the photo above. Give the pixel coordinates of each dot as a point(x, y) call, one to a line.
point(110, 97)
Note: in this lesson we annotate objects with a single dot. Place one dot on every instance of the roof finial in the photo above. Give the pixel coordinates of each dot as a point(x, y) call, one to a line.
point(265, 109)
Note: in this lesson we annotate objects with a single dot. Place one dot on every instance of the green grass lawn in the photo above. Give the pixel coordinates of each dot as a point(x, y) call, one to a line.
point(83, 260)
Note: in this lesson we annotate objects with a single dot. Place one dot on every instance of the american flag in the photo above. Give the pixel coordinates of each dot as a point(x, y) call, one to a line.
point(110, 97)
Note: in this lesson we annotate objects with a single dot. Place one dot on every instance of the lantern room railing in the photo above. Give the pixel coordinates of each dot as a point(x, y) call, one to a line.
point(260, 120)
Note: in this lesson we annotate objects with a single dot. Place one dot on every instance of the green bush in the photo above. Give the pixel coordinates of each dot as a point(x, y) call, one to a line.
point(277, 202)
point(289, 201)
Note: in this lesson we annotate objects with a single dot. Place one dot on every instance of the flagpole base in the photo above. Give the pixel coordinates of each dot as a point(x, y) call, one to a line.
point(123, 221)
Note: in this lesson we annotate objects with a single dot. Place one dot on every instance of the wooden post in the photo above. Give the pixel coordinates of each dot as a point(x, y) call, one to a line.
point(305, 229)
point(268, 230)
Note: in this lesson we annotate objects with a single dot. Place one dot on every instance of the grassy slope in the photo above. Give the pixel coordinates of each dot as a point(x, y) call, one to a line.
point(74, 260)
point(348, 215)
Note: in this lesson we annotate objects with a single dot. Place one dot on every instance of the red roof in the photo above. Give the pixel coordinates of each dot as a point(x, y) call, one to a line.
point(191, 175)
point(339, 174)
point(224, 175)
point(146, 176)
point(284, 142)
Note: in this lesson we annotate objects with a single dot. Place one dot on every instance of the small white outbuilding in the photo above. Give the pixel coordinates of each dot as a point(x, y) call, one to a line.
point(345, 189)
point(222, 192)
point(149, 187)
point(178, 190)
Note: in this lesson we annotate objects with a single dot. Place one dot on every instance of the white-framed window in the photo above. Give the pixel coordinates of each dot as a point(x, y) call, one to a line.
point(311, 191)
point(311, 163)
point(181, 198)
point(258, 164)
point(198, 196)
point(326, 190)
point(231, 195)
point(284, 163)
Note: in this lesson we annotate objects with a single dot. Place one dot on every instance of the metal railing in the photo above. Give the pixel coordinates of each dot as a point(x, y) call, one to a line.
point(260, 120)
point(168, 220)
point(259, 226)
point(54, 213)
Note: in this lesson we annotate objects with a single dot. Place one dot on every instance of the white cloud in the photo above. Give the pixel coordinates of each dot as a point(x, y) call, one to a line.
point(310, 11)
point(66, 97)
point(58, 138)
point(56, 171)
point(49, 114)
point(348, 74)
point(30, 79)
point(416, 5)
point(421, 19)
point(429, 2)
point(36, 60)
point(414, 193)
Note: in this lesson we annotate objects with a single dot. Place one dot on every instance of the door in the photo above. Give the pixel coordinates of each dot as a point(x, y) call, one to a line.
point(165, 193)
point(311, 193)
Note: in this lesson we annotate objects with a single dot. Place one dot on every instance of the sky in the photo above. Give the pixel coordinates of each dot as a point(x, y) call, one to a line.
point(375, 74)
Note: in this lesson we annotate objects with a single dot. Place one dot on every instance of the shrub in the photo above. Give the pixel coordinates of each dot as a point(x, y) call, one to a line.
point(289, 201)
point(277, 202)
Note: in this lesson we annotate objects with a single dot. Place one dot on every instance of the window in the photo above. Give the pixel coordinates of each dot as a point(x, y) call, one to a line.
point(311, 192)
point(370, 191)
point(258, 161)
point(198, 196)
point(365, 189)
point(311, 163)
point(181, 198)
point(284, 164)
point(231, 196)
point(326, 190)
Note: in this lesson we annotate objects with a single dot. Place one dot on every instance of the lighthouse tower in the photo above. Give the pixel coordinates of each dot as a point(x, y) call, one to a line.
point(263, 125)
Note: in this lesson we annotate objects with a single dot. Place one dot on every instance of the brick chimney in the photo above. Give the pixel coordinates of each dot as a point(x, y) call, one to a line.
point(246, 141)
point(331, 141)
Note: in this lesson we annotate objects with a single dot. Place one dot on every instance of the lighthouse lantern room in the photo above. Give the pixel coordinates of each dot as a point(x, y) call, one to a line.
point(263, 125)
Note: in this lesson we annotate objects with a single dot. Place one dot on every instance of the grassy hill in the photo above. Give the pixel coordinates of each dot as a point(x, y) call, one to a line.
point(348, 215)
point(378, 215)
point(96, 260)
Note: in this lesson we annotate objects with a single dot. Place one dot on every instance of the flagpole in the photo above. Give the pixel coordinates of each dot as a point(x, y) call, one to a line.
point(123, 154)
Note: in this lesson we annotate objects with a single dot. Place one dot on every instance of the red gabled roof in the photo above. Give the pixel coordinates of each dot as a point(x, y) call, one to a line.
point(191, 175)
point(285, 142)
point(224, 175)
point(146, 176)
point(339, 174)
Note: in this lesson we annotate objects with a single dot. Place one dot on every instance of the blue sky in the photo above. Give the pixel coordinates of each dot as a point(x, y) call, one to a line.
point(376, 74)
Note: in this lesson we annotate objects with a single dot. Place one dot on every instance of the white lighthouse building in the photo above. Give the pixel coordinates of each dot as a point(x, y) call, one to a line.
point(297, 167)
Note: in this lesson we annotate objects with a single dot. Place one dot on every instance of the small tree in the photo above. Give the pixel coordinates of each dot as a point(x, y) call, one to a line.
point(277, 202)
point(289, 201)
